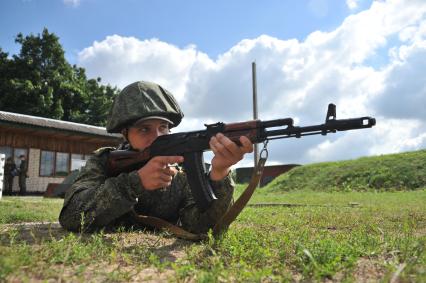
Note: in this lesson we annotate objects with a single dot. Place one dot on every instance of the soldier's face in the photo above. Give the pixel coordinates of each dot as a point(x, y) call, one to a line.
point(143, 134)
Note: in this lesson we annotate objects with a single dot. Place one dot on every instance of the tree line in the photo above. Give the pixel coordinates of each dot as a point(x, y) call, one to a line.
point(40, 82)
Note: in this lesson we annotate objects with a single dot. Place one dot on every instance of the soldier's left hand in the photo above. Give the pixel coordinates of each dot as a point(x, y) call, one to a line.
point(226, 154)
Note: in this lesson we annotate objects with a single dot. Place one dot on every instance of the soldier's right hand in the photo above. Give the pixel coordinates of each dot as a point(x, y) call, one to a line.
point(157, 173)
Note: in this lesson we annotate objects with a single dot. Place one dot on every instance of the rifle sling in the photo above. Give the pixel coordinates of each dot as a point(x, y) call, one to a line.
point(241, 202)
point(161, 224)
point(221, 225)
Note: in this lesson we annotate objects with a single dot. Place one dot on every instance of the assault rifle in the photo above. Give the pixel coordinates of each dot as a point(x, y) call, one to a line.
point(191, 146)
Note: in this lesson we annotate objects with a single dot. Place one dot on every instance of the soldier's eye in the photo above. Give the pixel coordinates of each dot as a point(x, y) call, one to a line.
point(164, 129)
point(143, 130)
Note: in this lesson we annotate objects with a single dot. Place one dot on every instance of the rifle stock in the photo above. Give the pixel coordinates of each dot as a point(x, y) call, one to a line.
point(191, 145)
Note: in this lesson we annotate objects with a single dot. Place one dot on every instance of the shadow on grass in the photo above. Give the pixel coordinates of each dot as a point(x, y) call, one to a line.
point(32, 233)
point(166, 248)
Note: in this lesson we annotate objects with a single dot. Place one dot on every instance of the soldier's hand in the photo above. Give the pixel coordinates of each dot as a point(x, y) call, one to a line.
point(157, 173)
point(226, 154)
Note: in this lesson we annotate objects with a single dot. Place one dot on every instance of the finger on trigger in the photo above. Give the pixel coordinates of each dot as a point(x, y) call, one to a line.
point(166, 160)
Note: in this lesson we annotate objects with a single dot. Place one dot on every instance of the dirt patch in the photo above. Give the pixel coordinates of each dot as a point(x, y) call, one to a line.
point(165, 248)
point(116, 272)
point(368, 270)
point(31, 233)
point(100, 273)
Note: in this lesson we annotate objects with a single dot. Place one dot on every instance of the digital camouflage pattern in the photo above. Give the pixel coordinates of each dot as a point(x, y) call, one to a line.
point(107, 201)
point(139, 100)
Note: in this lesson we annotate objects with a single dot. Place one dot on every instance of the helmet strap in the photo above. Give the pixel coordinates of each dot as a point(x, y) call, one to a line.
point(125, 133)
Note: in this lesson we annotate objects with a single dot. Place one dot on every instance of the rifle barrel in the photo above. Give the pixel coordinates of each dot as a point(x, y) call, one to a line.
point(331, 126)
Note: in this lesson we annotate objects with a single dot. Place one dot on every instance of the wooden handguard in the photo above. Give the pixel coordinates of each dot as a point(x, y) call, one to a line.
point(249, 129)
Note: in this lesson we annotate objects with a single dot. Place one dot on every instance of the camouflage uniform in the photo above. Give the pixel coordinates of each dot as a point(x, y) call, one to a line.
point(107, 202)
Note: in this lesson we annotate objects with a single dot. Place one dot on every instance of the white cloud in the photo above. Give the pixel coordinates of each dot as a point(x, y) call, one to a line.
point(352, 4)
point(389, 136)
point(73, 3)
point(295, 79)
point(404, 92)
point(122, 60)
point(398, 135)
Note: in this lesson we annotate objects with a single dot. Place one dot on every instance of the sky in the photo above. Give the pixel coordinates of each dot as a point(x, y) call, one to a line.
point(367, 57)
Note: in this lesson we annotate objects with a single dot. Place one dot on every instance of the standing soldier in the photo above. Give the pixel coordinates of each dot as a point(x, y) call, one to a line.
point(10, 172)
point(23, 168)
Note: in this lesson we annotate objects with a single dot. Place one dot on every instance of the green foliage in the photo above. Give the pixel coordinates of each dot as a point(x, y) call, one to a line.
point(403, 171)
point(40, 82)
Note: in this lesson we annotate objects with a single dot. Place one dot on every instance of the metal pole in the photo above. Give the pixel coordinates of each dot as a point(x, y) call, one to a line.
point(255, 117)
point(2, 177)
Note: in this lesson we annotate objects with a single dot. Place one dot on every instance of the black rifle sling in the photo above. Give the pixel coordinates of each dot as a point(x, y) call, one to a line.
point(221, 225)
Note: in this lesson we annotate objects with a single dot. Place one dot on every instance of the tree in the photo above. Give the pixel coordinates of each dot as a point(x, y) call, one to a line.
point(43, 76)
point(39, 81)
point(5, 76)
point(94, 111)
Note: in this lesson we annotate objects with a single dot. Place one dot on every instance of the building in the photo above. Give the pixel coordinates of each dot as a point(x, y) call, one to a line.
point(53, 148)
point(243, 174)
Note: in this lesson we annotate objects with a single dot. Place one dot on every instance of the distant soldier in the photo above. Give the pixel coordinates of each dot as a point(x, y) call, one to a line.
point(23, 168)
point(10, 172)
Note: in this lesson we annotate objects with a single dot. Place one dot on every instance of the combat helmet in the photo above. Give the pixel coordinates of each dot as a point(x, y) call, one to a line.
point(140, 100)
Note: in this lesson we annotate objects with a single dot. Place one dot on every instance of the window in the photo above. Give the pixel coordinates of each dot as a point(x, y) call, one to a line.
point(77, 161)
point(7, 150)
point(18, 152)
point(62, 164)
point(47, 162)
point(14, 153)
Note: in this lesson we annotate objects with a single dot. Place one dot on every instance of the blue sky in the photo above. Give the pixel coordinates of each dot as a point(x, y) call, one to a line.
point(213, 26)
point(365, 56)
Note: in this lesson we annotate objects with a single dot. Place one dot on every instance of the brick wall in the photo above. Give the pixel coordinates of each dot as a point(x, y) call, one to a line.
point(35, 183)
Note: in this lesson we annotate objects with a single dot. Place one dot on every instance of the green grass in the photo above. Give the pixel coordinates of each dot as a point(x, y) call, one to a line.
point(403, 171)
point(325, 239)
point(29, 209)
point(351, 221)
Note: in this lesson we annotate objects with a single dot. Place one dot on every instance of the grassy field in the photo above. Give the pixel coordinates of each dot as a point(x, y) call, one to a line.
point(29, 209)
point(392, 172)
point(310, 236)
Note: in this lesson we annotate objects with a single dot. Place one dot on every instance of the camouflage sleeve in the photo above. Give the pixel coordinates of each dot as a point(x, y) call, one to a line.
point(94, 200)
point(195, 221)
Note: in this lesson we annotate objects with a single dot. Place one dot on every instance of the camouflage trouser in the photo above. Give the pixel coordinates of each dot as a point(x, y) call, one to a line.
point(22, 185)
